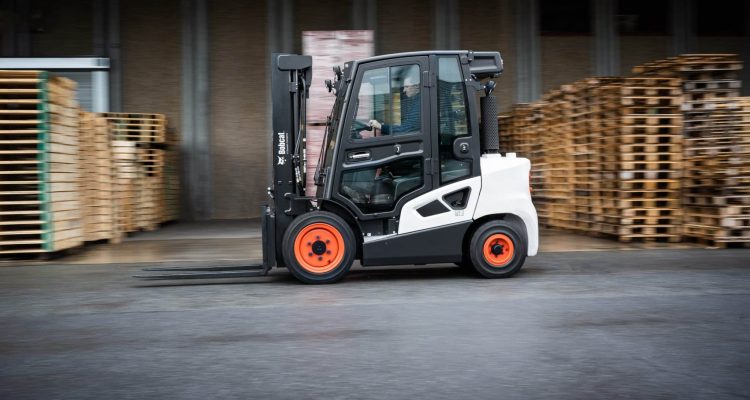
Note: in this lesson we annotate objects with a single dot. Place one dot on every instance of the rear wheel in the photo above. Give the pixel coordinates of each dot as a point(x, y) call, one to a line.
point(498, 248)
point(319, 247)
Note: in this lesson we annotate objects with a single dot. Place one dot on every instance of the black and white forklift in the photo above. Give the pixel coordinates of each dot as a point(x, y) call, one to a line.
point(409, 173)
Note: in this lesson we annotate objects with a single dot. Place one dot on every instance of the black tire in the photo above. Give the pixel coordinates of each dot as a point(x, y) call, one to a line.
point(510, 236)
point(315, 235)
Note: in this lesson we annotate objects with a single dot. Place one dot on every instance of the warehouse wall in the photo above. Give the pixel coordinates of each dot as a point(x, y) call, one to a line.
point(565, 59)
point(636, 50)
point(151, 58)
point(238, 44)
point(495, 34)
point(322, 15)
point(403, 26)
point(240, 142)
point(719, 45)
point(62, 29)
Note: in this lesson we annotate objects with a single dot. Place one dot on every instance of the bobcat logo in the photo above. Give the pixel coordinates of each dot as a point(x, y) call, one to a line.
point(280, 160)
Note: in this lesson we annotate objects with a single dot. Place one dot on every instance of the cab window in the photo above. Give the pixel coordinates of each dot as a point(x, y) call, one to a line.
point(378, 189)
point(388, 103)
point(452, 119)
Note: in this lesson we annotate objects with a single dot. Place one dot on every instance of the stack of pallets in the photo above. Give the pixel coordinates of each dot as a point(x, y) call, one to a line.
point(328, 49)
point(608, 155)
point(650, 160)
point(717, 172)
point(520, 133)
point(557, 138)
point(97, 180)
point(169, 200)
point(613, 159)
point(510, 138)
point(39, 198)
point(138, 142)
point(127, 172)
point(704, 77)
point(716, 188)
point(537, 152)
point(604, 125)
point(585, 166)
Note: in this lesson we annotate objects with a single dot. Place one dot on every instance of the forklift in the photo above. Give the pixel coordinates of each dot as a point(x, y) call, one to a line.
point(408, 172)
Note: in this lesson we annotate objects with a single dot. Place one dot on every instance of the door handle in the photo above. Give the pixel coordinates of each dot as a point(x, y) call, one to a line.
point(359, 155)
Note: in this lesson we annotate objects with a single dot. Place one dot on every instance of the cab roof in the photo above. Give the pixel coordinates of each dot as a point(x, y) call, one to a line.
point(482, 64)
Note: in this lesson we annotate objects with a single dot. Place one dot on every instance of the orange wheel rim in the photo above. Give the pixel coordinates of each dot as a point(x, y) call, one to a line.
point(498, 250)
point(319, 248)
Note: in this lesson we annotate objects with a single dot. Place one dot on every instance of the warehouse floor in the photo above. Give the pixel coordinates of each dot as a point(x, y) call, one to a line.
point(240, 240)
point(579, 325)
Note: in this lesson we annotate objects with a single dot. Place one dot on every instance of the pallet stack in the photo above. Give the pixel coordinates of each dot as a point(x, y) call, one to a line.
point(612, 158)
point(557, 138)
point(328, 49)
point(646, 196)
point(39, 175)
point(126, 179)
point(509, 136)
point(97, 180)
point(585, 166)
point(704, 77)
point(717, 181)
point(521, 132)
point(609, 157)
point(604, 124)
point(716, 193)
point(169, 200)
point(138, 142)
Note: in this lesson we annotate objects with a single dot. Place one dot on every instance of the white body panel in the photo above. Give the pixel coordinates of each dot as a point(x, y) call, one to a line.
point(412, 221)
point(505, 190)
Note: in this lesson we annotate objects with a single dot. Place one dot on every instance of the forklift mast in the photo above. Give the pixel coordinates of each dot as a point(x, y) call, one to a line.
point(290, 81)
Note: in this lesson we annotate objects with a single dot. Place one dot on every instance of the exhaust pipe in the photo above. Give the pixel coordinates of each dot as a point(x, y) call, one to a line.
point(490, 139)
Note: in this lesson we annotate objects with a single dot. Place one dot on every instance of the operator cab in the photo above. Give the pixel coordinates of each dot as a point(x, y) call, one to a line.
point(424, 137)
point(405, 175)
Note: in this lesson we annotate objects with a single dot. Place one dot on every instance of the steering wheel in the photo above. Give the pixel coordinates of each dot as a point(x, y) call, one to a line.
point(358, 125)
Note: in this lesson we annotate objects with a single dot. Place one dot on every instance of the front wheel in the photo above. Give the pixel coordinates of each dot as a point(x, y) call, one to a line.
point(498, 248)
point(319, 247)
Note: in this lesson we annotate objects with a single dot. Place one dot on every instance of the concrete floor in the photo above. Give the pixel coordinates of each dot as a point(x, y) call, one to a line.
point(649, 324)
point(234, 241)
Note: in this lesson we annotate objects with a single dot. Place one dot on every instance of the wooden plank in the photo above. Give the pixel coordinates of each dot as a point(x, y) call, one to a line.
point(19, 91)
point(29, 121)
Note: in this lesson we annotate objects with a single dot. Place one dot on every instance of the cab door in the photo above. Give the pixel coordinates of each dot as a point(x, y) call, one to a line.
point(382, 168)
point(457, 182)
